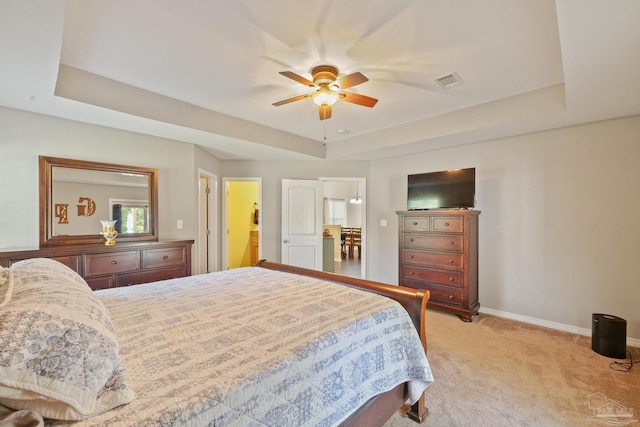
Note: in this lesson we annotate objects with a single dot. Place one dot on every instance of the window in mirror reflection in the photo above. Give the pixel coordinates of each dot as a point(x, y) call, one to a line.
point(132, 215)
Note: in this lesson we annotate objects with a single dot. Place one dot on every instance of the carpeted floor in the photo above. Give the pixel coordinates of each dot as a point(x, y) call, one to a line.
point(499, 372)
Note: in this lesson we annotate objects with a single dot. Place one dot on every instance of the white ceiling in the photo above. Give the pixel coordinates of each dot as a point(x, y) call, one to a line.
point(207, 72)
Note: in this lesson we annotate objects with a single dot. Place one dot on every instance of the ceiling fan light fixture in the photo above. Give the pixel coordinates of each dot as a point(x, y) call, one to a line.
point(324, 96)
point(329, 89)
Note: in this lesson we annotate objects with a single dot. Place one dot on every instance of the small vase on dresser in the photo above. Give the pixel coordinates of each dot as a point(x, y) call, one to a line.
point(109, 231)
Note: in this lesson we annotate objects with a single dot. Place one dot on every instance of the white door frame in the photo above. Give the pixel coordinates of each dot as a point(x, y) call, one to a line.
point(212, 220)
point(225, 214)
point(362, 192)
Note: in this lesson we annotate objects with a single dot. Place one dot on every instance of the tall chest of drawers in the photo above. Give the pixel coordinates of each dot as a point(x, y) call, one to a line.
point(438, 251)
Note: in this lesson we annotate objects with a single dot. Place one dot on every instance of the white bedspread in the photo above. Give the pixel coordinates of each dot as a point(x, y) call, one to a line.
point(255, 347)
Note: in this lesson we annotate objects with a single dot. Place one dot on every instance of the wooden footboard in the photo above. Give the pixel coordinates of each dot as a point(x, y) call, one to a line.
point(415, 302)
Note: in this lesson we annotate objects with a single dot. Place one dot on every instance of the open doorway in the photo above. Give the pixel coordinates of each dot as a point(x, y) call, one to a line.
point(242, 221)
point(345, 217)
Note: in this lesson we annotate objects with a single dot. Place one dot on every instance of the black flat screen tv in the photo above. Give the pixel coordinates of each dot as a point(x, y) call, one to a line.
point(455, 189)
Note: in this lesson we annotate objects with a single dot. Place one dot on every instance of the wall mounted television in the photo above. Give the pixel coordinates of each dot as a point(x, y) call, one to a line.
point(454, 189)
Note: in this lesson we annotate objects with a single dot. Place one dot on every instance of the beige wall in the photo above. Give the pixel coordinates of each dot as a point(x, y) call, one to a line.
point(25, 136)
point(559, 228)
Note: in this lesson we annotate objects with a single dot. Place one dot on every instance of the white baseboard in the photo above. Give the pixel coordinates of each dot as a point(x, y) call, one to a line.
point(633, 342)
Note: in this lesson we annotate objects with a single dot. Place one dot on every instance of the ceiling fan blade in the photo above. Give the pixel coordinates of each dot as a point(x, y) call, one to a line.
point(288, 100)
point(352, 79)
point(325, 112)
point(296, 77)
point(355, 98)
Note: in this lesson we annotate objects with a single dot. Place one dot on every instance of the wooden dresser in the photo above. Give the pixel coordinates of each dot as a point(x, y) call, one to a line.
point(438, 250)
point(123, 264)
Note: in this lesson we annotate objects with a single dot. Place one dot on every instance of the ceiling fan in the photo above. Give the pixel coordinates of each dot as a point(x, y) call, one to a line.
point(329, 89)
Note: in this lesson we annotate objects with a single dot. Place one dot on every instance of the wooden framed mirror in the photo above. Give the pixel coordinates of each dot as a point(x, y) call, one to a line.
point(76, 195)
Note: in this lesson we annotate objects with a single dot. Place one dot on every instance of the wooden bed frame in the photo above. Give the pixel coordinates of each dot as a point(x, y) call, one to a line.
point(380, 408)
point(377, 410)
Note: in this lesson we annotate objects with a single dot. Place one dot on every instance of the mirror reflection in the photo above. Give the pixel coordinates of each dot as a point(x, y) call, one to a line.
point(81, 198)
point(76, 196)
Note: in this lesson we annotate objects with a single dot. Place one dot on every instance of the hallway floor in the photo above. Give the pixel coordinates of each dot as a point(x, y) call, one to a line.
point(348, 267)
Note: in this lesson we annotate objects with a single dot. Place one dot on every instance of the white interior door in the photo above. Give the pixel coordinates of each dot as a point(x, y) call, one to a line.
point(302, 223)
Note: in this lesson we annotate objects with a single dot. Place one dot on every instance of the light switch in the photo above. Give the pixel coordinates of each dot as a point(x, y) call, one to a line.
point(180, 224)
point(383, 223)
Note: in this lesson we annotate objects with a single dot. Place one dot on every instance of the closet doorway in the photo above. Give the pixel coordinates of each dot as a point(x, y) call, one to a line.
point(242, 221)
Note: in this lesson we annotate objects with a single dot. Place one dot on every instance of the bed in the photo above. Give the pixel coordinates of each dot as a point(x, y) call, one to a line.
point(271, 345)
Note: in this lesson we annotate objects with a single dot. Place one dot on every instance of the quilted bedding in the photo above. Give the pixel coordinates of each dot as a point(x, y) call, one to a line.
point(256, 347)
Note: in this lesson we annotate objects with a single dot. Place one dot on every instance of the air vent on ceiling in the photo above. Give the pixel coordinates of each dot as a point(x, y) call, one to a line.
point(449, 80)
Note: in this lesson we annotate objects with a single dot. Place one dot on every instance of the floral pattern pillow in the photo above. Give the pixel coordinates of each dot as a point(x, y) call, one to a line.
point(59, 353)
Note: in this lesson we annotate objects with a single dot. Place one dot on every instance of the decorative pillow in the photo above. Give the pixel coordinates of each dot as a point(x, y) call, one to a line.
point(58, 348)
point(52, 272)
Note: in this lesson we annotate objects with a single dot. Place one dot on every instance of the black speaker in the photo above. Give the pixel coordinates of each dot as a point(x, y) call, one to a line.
point(609, 336)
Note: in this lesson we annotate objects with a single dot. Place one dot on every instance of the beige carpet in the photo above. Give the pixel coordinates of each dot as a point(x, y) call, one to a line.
point(499, 372)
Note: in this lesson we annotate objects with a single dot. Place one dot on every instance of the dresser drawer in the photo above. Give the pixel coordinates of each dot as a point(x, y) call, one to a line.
point(103, 282)
point(110, 263)
point(450, 224)
point(446, 295)
point(71, 261)
point(433, 259)
point(440, 294)
point(451, 278)
point(432, 241)
point(154, 258)
point(415, 223)
point(139, 277)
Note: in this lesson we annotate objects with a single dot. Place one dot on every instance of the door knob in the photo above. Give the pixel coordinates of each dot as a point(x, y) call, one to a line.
point(285, 241)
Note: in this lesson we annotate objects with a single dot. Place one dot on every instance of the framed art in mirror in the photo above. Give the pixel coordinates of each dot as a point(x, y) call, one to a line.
point(76, 195)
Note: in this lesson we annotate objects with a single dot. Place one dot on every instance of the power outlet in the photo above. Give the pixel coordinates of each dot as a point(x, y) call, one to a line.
point(180, 224)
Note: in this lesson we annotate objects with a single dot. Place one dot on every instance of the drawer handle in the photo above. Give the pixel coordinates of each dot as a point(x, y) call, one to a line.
point(114, 262)
point(410, 256)
point(411, 273)
point(451, 279)
point(446, 224)
point(450, 297)
point(411, 239)
point(165, 257)
point(415, 222)
point(451, 242)
point(450, 261)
